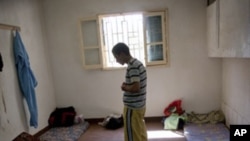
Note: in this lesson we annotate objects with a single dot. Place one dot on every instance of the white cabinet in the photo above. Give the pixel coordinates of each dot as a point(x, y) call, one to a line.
point(228, 28)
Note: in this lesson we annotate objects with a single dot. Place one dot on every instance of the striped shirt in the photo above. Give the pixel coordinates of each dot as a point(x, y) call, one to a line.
point(136, 72)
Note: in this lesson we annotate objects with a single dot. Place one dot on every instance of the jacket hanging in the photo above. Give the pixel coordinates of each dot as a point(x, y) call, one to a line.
point(1, 62)
point(27, 80)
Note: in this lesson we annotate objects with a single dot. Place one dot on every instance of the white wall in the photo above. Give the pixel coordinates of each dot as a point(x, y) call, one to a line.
point(26, 14)
point(191, 75)
point(236, 90)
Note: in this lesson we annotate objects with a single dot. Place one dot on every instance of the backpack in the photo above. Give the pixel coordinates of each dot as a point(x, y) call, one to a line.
point(62, 117)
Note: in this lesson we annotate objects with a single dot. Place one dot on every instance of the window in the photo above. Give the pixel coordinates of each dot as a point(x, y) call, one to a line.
point(144, 33)
point(126, 28)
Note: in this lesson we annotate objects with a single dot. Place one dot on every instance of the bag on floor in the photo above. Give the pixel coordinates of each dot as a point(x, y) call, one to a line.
point(114, 123)
point(62, 117)
point(174, 122)
point(174, 107)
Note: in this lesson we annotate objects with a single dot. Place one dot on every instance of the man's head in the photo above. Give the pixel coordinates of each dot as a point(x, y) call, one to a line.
point(121, 53)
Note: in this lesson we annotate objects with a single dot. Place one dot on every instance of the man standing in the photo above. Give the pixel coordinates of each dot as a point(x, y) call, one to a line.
point(134, 97)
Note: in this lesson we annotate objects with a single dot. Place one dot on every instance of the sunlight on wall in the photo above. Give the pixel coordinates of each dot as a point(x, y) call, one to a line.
point(160, 134)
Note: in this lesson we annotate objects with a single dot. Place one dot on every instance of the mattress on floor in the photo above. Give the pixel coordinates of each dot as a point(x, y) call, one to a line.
point(71, 133)
point(206, 132)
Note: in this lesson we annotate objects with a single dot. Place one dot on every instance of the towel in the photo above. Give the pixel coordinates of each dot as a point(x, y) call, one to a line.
point(27, 80)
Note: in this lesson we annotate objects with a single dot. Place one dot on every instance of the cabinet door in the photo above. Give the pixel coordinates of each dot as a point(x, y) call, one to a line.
point(234, 28)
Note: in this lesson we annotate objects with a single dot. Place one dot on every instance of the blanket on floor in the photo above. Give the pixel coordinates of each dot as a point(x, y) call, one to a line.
point(206, 132)
point(71, 133)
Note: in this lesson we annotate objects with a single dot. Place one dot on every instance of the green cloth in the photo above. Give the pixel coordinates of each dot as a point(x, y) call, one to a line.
point(172, 121)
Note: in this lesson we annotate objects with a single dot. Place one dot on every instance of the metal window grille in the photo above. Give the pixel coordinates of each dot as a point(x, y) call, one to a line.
point(122, 28)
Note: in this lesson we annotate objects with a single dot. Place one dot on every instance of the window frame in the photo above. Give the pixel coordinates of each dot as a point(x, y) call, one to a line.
point(85, 48)
point(100, 46)
point(164, 38)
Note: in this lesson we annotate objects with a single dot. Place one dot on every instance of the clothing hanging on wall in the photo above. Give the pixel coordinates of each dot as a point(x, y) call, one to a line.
point(4, 119)
point(1, 62)
point(4, 122)
point(27, 80)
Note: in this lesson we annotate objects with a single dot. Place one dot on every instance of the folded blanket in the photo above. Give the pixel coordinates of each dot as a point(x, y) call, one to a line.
point(211, 117)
